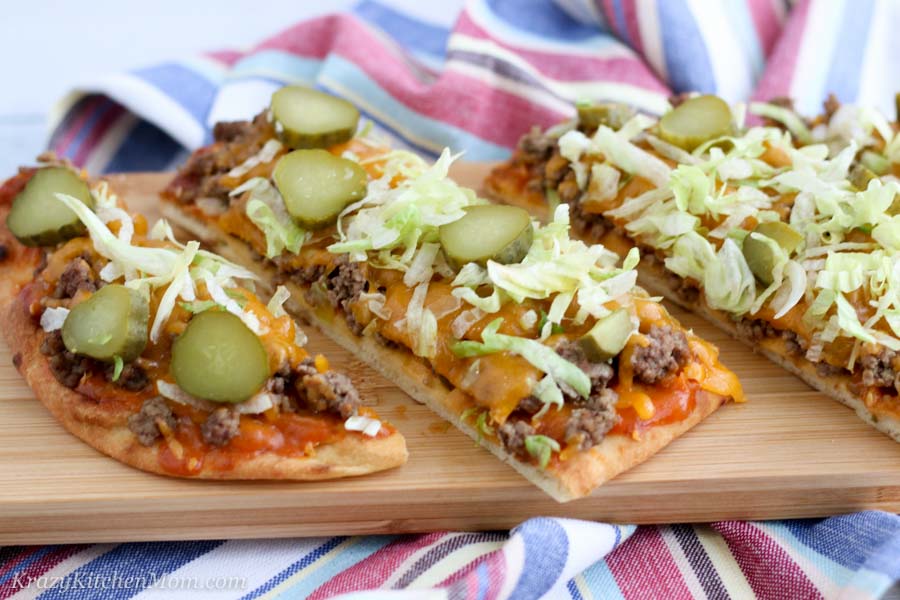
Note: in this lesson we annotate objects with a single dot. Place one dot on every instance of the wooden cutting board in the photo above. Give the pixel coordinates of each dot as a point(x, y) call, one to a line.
point(787, 452)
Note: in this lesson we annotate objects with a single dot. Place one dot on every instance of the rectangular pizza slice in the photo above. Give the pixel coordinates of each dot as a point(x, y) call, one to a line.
point(539, 346)
point(785, 234)
point(160, 354)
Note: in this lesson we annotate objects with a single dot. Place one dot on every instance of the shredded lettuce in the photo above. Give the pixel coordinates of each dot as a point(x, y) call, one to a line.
point(555, 266)
point(176, 268)
point(786, 117)
point(276, 302)
point(265, 208)
point(402, 210)
point(421, 324)
point(539, 355)
point(541, 448)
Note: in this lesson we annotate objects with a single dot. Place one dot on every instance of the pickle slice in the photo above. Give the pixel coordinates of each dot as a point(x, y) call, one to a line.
point(608, 336)
point(308, 118)
point(502, 234)
point(218, 358)
point(860, 176)
point(37, 218)
point(317, 185)
point(760, 257)
point(695, 121)
point(592, 116)
point(111, 323)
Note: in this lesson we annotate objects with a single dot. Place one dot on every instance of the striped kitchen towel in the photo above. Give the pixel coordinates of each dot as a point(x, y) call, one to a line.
point(476, 87)
point(855, 557)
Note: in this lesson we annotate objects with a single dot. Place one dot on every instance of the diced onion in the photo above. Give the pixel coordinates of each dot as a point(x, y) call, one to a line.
point(53, 318)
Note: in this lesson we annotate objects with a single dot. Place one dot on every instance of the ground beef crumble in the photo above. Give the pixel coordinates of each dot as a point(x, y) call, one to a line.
point(342, 283)
point(512, 435)
point(220, 426)
point(67, 368)
point(326, 392)
point(77, 276)
point(144, 423)
point(756, 329)
point(878, 369)
point(666, 353)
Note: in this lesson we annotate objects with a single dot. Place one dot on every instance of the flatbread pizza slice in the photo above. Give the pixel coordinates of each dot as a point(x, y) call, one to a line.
point(540, 347)
point(160, 354)
point(783, 234)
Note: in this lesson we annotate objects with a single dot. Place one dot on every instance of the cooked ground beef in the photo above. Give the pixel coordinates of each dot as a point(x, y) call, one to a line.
point(144, 423)
point(666, 353)
point(600, 373)
point(793, 343)
point(4, 252)
point(555, 169)
point(329, 391)
point(281, 380)
point(831, 106)
point(78, 275)
point(67, 368)
point(201, 175)
point(878, 369)
point(568, 189)
point(593, 416)
point(756, 329)
point(220, 426)
point(512, 435)
point(133, 378)
point(345, 284)
point(823, 369)
point(306, 368)
point(783, 101)
point(677, 100)
point(591, 425)
point(342, 285)
point(531, 405)
point(229, 131)
point(536, 145)
point(587, 225)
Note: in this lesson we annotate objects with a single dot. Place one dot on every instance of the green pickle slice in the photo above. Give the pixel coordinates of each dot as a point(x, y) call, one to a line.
point(218, 358)
point(37, 218)
point(592, 116)
point(608, 336)
point(317, 185)
point(760, 257)
point(112, 322)
point(695, 121)
point(486, 232)
point(308, 118)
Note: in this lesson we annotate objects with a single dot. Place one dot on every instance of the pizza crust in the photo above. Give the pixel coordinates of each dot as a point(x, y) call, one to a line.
point(574, 478)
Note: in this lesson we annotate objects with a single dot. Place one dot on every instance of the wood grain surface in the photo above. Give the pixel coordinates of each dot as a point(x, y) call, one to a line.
point(787, 452)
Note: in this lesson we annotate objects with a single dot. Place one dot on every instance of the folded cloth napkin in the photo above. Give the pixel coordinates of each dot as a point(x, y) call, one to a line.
point(504, 66)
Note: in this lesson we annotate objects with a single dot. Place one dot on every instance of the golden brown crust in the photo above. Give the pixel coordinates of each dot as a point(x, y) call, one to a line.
point(574, 478)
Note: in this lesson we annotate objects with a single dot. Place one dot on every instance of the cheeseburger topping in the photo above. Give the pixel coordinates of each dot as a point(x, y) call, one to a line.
point(795, 219)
